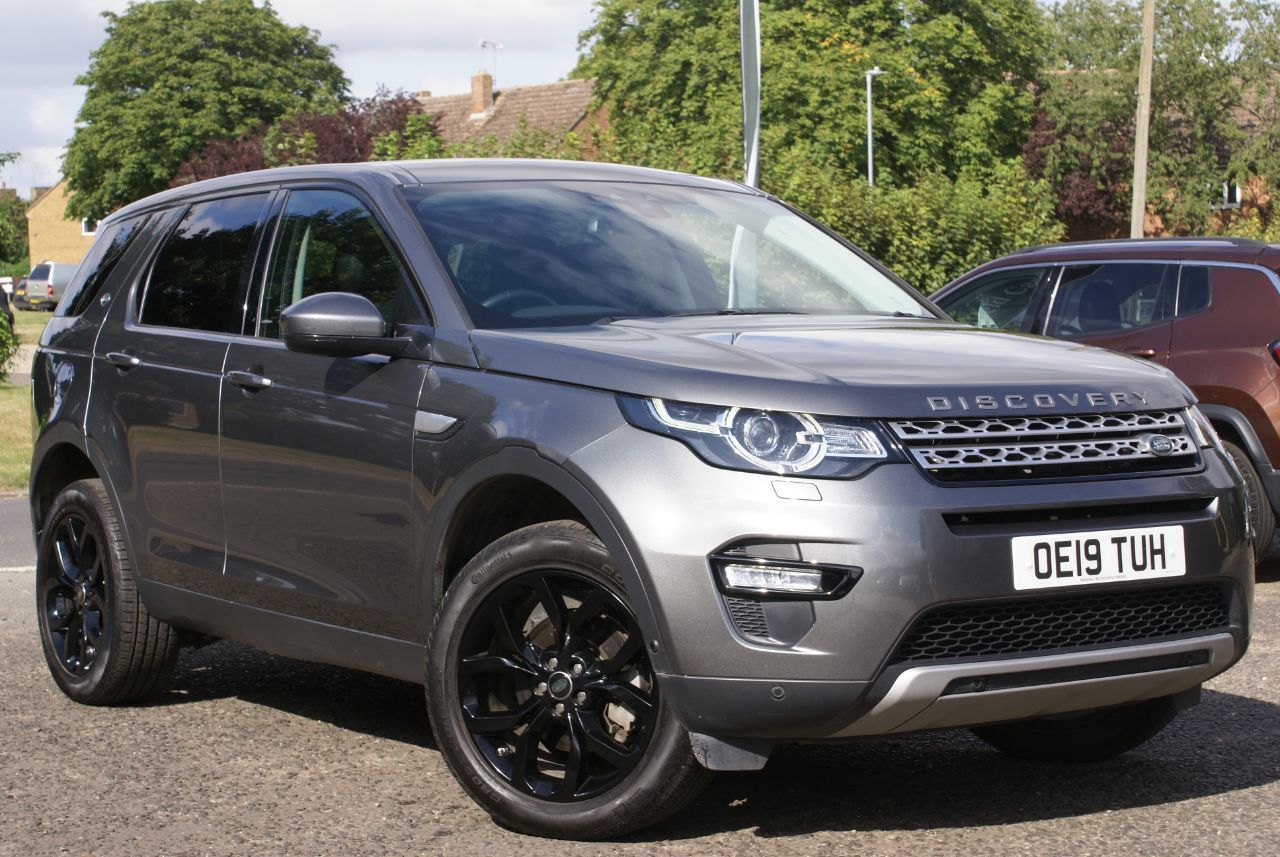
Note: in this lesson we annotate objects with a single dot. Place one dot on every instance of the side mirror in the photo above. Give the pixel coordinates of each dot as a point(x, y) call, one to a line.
point(338, 324)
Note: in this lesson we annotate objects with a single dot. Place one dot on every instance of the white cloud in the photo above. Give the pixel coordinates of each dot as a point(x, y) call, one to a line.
point(431, 45)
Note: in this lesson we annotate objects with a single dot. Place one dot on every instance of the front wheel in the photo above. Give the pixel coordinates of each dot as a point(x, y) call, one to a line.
point(1093, 736)
point(542, 697)
point(1261, 516)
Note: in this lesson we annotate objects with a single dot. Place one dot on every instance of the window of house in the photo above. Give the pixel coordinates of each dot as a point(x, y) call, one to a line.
point(328, 241)
point(88, 226)
point(197, 281)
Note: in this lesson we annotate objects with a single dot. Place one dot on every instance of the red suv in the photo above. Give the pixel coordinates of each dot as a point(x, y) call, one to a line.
point(1207, 308)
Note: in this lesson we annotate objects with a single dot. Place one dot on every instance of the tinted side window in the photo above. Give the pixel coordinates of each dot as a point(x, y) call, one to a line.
point(1193, 289)
point(197, 280)
point(1099, 299)
point(103, 257)
point(998, 300)
point(327, 241)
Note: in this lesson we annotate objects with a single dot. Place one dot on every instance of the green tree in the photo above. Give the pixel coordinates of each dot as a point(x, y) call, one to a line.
point(13, 229)
point(13, 226)
point(1082, 141)
point(175, 74)
point(956, 93)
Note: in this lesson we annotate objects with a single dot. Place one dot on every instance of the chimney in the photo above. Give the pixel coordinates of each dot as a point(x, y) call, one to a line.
point(481, 92)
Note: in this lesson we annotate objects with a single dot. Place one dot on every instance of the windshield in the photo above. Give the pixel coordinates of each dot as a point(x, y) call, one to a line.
point(544, 253)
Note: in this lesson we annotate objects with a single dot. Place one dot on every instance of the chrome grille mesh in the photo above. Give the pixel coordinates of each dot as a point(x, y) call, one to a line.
point(983, 448)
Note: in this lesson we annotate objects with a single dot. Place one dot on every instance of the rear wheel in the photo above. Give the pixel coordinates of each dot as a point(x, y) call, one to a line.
point(1089, 737)
point(542, 697)
point(1261, 515)
point(101, 644)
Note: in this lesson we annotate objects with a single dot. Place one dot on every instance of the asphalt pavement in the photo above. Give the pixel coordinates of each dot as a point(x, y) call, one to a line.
point(252, 754)
point(16, 547)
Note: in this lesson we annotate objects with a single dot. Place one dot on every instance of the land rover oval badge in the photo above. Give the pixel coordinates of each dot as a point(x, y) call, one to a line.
point(1159, 444)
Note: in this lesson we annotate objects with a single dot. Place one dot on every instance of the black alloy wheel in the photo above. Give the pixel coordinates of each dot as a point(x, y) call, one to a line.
point(100, 641)
point(543, 697)
point(74, 595)
point(555, 685)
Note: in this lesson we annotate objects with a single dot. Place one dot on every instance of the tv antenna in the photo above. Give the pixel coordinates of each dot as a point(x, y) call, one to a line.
point(486, 45)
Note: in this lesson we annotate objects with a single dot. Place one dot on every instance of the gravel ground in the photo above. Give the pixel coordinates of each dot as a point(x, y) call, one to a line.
point(254, 754)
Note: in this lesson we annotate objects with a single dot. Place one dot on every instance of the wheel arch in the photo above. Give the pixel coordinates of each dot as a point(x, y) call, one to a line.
point(61, 457)
point(1234, 426)
point(558, 495)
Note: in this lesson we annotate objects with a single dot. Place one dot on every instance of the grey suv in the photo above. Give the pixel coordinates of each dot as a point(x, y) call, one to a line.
point(641, 474)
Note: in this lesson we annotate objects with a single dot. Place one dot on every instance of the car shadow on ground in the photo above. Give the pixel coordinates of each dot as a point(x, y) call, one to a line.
point(941, 780)
point(953, 780)
point(358, 701)
point(1268, 569)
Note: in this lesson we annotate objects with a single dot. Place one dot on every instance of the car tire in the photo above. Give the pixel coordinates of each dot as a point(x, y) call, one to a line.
point(542, 698)
point(1262, 517)
point(101, 644)
point(1092, 736)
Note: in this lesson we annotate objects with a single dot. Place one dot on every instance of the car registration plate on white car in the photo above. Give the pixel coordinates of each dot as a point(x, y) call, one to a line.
point(1104, 556)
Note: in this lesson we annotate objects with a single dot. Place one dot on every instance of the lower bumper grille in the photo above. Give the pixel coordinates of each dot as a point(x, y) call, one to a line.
point(1063, 622)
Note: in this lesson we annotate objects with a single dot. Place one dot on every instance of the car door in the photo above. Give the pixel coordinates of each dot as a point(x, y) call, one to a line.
point(1127, 307)
point(1003, 299)
point(157, 378)
point(316, 451)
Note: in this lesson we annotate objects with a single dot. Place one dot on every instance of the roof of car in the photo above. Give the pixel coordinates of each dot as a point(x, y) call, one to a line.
point(427, 172)
point(1243, 251)
point(1225, 249)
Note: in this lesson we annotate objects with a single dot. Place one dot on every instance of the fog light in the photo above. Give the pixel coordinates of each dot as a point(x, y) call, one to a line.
point(771, 578)
point(761, 578)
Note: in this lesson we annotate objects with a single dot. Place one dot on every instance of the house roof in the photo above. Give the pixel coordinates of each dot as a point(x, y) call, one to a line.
point(554, 107)
point(47, 194)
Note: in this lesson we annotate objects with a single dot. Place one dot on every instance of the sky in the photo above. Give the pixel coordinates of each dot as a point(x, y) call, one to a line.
point(402, 44)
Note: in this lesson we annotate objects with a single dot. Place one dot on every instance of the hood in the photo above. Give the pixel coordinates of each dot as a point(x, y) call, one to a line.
point(860, 367)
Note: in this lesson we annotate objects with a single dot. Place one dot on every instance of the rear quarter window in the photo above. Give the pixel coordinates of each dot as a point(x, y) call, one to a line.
point(1193, 290)
point(98, 265)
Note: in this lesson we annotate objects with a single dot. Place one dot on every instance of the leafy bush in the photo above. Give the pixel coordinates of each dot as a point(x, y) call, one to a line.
point(932, 232)
point(8, 347)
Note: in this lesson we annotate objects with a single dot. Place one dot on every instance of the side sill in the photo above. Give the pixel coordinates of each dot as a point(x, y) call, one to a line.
point(281, 634)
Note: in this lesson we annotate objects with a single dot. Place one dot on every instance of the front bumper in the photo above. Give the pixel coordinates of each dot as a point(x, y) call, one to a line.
point(905, 533)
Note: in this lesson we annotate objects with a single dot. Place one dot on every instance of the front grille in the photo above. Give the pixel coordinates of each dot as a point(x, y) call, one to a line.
point(1061, 622)
point(968, 449)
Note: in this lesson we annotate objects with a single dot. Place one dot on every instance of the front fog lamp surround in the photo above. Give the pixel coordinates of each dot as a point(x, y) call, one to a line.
point(780, 442)
point(771, 578)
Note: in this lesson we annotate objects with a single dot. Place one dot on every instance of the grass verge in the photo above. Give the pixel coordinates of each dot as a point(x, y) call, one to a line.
point(15, 436)
point(29, 324)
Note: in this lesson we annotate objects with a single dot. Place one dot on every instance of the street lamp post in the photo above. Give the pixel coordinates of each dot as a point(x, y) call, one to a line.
point(871, 169)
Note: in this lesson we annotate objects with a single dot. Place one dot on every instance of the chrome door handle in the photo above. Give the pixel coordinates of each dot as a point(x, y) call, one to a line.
point(248, 380)
point(123, 360)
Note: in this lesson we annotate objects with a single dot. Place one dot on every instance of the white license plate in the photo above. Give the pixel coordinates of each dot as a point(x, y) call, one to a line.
point(1104, 556)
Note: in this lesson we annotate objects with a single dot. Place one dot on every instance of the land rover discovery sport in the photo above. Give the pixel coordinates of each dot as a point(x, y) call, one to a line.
point(641, 474)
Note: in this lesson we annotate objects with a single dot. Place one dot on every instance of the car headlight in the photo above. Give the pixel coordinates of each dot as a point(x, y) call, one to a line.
point(762, 441)
point(1202, 430)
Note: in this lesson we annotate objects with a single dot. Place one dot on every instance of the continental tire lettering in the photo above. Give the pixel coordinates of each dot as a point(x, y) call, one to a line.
point(481, 573)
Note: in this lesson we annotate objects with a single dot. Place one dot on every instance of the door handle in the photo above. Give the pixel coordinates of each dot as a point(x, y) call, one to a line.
point(248, 380)
point(123, 360)
point(1145, 353)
